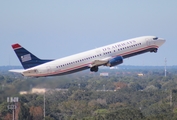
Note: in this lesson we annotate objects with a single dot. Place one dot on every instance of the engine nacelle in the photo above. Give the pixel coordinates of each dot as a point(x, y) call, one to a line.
point(115, 61)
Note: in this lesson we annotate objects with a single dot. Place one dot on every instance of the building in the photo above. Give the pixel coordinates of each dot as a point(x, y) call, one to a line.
point(41, 91)
point(105, 74)
point(140, 74)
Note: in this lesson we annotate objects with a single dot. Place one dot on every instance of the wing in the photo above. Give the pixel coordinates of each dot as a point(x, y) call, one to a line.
point(101, 62)
point(110, 61)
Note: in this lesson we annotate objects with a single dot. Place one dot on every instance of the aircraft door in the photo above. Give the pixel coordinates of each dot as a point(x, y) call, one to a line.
point(48, 69)
point(148, 42)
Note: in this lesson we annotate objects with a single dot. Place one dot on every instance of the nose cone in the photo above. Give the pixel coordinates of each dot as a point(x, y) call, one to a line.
point(160, 42)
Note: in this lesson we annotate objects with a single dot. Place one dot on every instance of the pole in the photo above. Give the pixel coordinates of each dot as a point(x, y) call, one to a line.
point(12, 105)
point(171, 98)
point(103, 87)
point(165, 67)
point(13, 115)
point(44, 105)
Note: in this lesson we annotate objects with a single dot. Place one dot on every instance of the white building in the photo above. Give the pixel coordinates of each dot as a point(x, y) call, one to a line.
point(104, 74)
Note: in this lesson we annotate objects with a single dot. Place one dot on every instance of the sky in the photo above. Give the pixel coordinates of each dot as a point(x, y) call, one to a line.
point(52, 29)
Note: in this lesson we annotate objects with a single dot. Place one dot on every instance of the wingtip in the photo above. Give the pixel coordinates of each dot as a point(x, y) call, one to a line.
point(16, 46)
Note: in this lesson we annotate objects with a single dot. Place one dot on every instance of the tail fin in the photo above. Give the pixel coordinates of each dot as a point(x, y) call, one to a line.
point(26, 58)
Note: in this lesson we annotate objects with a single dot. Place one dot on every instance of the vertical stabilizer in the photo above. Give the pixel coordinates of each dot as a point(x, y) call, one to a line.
point(26, 58)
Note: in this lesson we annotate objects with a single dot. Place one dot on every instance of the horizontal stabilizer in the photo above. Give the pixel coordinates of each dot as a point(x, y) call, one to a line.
point(17, 71)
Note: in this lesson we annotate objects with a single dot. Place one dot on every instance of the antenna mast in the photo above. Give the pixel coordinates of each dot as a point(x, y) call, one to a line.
point(165, 67)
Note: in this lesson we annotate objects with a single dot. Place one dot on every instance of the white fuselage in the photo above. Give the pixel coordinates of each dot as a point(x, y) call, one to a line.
point(84, 60)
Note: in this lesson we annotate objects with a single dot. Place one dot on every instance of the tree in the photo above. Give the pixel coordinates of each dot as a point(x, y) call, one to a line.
point(36, 113)
point(24, 113)
point(125, 114)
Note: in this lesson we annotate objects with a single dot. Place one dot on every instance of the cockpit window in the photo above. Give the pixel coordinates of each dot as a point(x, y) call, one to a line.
point(155, 38)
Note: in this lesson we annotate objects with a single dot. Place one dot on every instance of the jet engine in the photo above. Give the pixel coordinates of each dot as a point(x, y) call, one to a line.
point(115, 61)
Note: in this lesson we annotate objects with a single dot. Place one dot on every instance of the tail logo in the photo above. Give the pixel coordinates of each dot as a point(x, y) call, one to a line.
point(26, 58)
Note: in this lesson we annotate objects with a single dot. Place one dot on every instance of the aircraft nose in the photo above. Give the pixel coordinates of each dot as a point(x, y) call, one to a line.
point(160, 42)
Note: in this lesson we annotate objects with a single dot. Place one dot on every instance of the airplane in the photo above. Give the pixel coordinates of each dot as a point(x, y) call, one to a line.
point(109, 55)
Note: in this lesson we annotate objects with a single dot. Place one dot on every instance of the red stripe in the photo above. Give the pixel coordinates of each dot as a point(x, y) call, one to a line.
point(153, 46)
point(16, 46)
point(62, 71)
